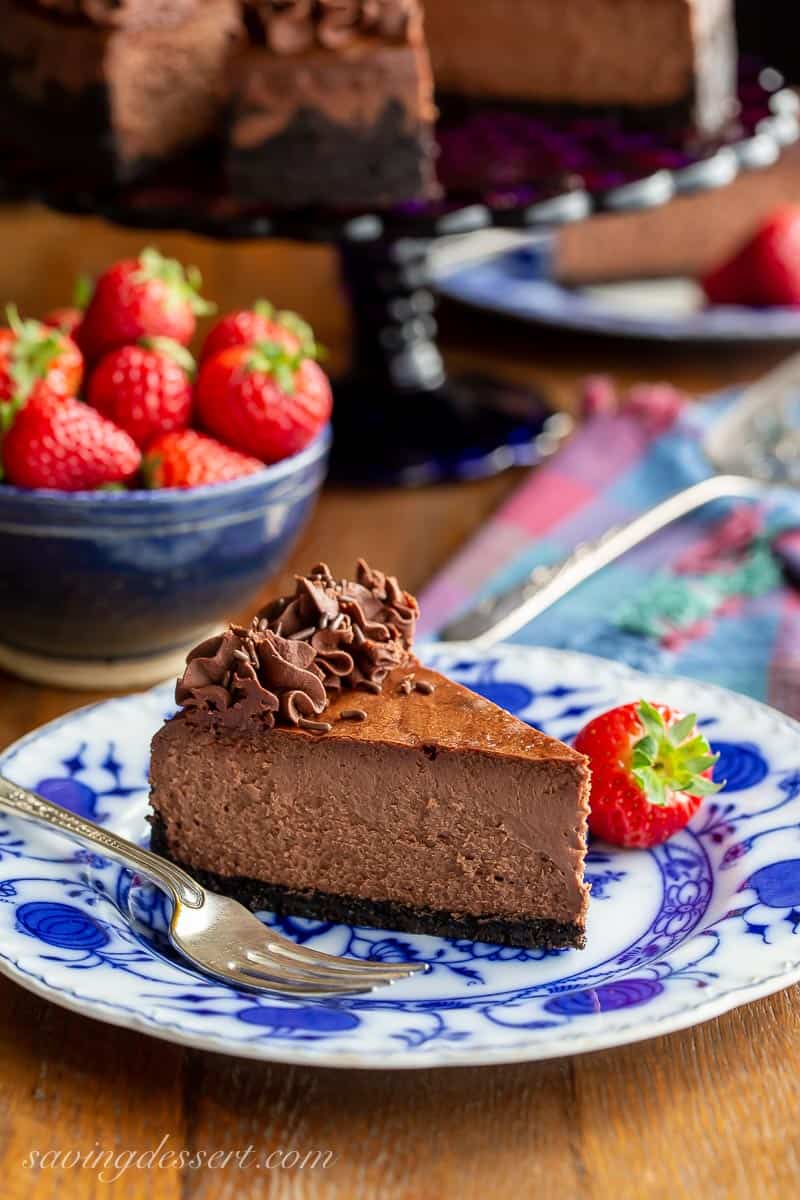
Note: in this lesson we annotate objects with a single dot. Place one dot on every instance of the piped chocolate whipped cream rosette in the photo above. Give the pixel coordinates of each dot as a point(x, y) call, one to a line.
point(293, 26)
point(299, 650)
point(123, 14)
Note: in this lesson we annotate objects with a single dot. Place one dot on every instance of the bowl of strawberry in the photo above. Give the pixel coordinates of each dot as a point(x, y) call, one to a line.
point(147, 493)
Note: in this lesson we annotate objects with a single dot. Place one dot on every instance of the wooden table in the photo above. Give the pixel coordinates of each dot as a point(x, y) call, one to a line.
point(709, 1113)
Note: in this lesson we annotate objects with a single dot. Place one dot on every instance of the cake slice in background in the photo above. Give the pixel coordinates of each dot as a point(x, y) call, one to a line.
point(104, 90)
point(316, 767)
point(332, 105)
point(662, 61)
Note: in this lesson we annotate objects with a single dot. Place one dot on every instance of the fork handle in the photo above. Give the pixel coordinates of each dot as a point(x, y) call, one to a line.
point(501, 616)
point(22, 803)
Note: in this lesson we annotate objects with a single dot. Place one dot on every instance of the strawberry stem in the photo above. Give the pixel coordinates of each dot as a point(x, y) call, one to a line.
point(82, 292)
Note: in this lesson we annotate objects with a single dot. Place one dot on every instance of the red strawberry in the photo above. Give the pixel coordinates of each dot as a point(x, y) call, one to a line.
point(188, 459)
point(766, 269)
point(148, 296)
point(145, 389)
point(59, 442)
point(261, 323)
point(263, 399)
point(34, 361)
point(650, 770)
point(731, 282)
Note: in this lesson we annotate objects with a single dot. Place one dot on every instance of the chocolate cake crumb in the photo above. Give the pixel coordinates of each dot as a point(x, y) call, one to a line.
point(427, 689)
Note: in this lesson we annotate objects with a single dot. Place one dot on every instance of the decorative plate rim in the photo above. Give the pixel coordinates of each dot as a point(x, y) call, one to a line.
point(639, 1028)
point(721, 324)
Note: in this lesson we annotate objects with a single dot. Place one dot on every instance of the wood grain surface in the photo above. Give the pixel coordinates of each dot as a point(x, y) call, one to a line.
point(710, 1113)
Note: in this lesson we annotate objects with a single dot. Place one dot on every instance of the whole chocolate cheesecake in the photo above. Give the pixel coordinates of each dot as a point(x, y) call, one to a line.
point(662, 62)
point(316, 767)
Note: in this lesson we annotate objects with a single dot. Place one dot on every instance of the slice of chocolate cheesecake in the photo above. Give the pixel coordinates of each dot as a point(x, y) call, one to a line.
point(317, 768)
point(332, 105)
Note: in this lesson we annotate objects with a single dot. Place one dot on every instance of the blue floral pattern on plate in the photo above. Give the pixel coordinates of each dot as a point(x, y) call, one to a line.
point(676, 935)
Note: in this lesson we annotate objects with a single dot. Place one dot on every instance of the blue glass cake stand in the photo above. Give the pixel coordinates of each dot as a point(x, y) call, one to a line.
point(400, 418)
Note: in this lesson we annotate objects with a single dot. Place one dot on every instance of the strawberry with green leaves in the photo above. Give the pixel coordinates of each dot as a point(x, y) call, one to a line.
point(148, 296)
point(651, 768)
point(260, 323)
point(187, 459)
point(34, 360)
point(60, 442)
point(265, 400)
point(145, 389)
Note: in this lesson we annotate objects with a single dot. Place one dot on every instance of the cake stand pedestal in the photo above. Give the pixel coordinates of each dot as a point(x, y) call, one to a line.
point(399, 418)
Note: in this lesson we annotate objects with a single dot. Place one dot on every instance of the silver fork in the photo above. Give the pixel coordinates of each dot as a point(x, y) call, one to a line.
point(218, 935)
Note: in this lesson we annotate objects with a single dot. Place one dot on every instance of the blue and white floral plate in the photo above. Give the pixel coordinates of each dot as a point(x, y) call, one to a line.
point(658, 309)
point(676, 936)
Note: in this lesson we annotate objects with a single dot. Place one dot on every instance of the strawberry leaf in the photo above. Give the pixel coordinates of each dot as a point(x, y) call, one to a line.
point(704, 787)
point(652, 784)
point(182, 284)
point(273, 359)
point(82, 292)
point(644, 752)
point(33, 353)
point(171, 349)
point(651, 719)
point(682, 729)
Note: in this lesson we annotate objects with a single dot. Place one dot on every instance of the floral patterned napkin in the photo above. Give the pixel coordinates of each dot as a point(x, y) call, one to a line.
point(707, 597)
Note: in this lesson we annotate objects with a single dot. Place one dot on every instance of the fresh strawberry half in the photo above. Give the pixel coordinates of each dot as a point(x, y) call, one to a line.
point(766, 269)
point(263, 399)
point(60, 442)
point(145, 389)
point(148, 296)
point(650, 770)
point(261, 323)
point(188, 459)
point(34, 360)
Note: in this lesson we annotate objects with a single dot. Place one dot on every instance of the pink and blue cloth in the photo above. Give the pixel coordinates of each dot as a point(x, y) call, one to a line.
point(705, 598)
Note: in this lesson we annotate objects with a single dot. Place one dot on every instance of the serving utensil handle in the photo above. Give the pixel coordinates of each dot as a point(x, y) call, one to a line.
point(501, 616)
point(23, 803)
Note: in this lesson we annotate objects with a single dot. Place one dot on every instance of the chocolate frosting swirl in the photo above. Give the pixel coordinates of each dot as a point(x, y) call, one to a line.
point(299, 649)
point(124, 14)
point(292, 26)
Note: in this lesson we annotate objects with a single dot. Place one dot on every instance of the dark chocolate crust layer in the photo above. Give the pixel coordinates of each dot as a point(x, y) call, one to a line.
point(381, 164)
point(258, 895)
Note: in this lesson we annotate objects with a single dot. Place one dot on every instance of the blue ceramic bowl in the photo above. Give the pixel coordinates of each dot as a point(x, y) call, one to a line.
point(112, 575)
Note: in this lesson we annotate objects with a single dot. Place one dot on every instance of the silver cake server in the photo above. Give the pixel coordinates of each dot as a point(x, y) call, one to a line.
point(755, 445)
point(216, 934)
